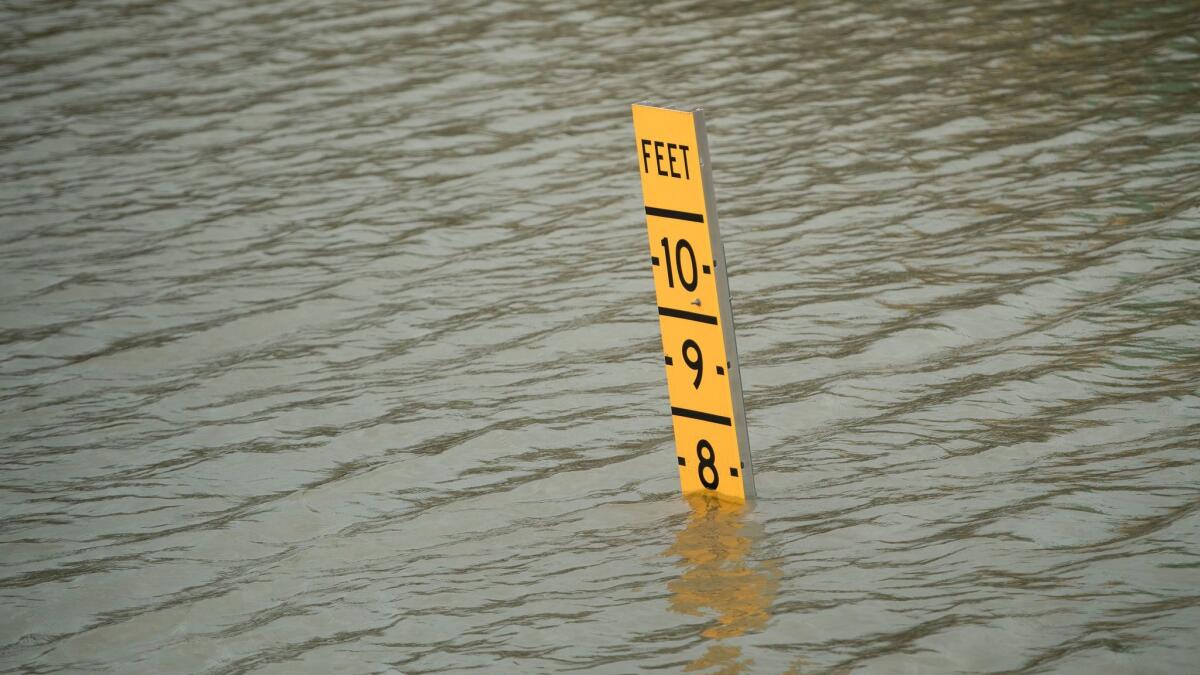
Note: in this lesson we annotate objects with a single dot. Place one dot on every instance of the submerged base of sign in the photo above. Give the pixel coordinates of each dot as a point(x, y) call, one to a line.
point(688, 262)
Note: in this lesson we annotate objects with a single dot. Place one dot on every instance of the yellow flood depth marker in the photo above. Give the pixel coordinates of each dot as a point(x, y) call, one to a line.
point(703, 380)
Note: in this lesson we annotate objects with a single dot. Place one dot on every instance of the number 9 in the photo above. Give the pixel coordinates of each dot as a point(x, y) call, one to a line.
point(695, 363)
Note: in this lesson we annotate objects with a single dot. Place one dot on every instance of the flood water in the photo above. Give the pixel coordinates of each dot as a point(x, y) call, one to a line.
point(328, 339)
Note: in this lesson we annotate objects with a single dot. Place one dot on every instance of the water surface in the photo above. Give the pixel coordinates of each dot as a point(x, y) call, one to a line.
point(328, 340)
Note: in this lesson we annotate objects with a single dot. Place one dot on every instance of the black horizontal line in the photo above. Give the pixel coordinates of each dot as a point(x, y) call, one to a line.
point(672, 213)
point(702, 416)
point(690, 316)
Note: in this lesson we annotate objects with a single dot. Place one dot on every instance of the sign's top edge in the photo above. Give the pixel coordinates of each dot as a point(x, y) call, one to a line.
point(670, 106)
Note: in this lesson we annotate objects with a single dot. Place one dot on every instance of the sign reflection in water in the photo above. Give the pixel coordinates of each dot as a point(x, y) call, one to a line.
point(720, 580)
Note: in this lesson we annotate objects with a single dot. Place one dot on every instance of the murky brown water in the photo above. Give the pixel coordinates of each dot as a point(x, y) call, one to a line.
point(328, 341)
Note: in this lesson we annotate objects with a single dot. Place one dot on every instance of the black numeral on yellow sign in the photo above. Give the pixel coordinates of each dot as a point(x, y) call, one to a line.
point(696, 363)
point(708, 463)
point(680, 246)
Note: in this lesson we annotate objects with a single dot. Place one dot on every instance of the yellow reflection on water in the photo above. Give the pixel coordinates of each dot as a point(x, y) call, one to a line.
point(719, 581)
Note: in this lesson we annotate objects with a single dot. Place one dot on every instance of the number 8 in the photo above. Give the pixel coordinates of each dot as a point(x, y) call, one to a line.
point(707, 463)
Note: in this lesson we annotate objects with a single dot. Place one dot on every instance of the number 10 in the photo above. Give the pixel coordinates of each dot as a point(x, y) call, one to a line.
point(680, 246)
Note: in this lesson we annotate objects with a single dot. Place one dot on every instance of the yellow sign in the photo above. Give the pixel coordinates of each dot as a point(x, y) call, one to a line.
point(703, 381)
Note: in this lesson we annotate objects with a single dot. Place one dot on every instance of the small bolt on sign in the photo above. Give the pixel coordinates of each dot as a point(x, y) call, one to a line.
point(687, 259)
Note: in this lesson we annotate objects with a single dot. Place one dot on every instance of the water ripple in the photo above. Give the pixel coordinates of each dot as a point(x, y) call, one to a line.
point(327, 344)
